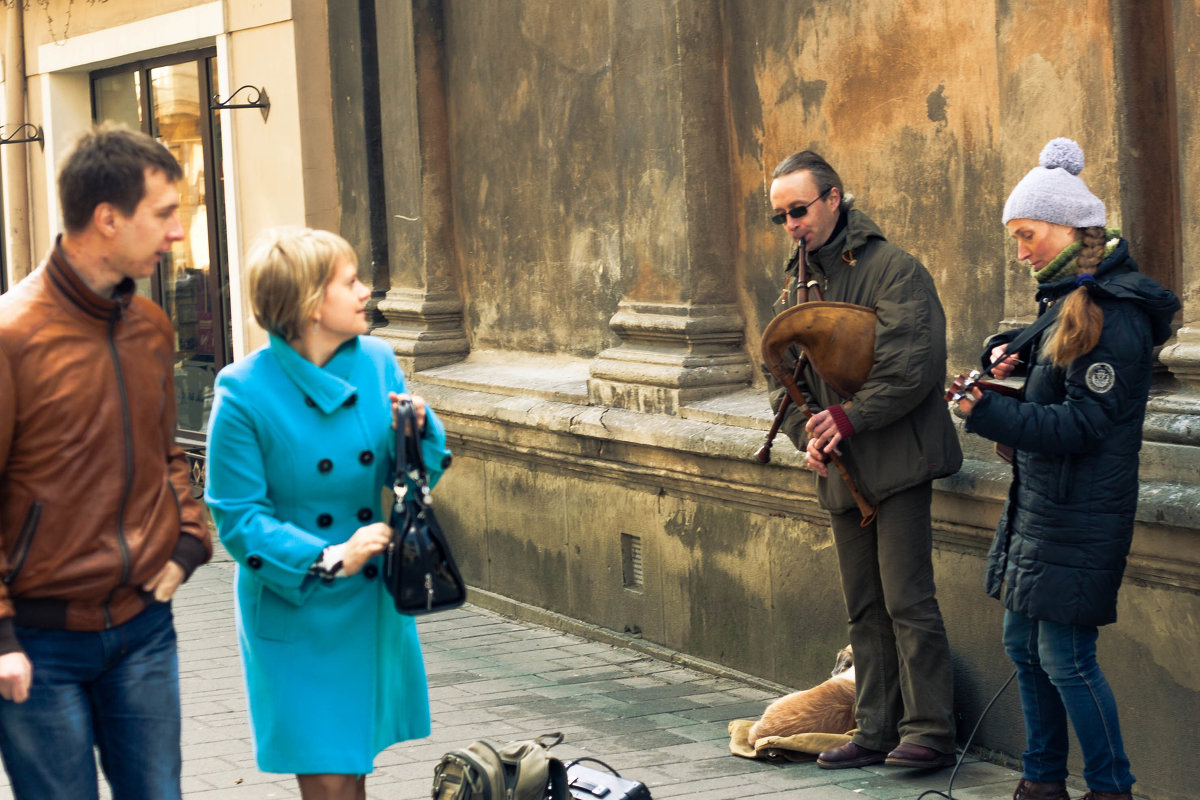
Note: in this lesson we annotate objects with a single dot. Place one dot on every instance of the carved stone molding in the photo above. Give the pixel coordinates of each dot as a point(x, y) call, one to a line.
point(424, 329)
point(1182, 356)
point(670, 354)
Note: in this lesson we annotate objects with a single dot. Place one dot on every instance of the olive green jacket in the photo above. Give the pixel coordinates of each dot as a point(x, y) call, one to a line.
point(903, 435)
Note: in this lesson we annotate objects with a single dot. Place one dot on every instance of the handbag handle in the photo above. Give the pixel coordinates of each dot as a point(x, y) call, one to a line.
point(410, 461)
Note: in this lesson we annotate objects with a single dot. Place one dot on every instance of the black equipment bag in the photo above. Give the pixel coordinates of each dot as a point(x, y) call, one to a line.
point(418, 569)
point(585, 783)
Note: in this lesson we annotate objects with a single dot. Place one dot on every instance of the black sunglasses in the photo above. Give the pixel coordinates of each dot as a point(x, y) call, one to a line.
point(798, 211)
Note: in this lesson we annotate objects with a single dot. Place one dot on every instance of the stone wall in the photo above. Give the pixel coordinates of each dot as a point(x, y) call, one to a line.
point(579, 267)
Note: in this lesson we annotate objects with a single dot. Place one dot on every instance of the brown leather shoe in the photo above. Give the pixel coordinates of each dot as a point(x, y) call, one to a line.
point(918, 756)
point(849, 755)
point(1094, 795)
point(1041, 790)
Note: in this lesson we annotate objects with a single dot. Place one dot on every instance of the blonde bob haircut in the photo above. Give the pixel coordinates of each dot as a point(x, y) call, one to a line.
point(287, 270)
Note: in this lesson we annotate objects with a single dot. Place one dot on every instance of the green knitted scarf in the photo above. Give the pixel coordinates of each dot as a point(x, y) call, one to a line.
point(1065, 263)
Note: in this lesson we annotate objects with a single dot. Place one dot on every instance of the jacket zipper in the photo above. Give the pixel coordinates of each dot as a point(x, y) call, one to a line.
point(24, 541)
point(122, 545)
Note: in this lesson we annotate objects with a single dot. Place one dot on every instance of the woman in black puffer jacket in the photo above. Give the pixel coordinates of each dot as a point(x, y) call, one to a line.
point(1059, 552)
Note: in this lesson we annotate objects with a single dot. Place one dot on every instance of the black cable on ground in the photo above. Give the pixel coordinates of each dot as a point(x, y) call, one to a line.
point(950, 786)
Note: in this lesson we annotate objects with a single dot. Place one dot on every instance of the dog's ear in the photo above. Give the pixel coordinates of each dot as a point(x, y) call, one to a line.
point(845, 660)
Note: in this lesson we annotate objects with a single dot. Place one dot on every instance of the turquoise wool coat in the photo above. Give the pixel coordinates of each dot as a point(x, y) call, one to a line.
point(297, 458)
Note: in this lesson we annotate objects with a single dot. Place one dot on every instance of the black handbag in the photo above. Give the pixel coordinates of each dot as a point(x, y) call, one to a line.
point(418, 568)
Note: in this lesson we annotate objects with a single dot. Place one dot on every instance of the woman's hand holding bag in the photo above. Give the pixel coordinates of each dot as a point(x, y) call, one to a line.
point(419, 570)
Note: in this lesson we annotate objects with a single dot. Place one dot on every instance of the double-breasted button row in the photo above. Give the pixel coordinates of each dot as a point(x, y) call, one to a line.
point(364, 515)
point(366, 458)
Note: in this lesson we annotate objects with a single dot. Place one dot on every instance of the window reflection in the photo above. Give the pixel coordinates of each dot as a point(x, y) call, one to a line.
point(170, 103)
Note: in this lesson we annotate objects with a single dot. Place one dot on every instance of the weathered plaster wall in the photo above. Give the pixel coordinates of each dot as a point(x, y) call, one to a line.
point(910, 125)
point(931, 112)
point(608, 169)
point(531, 101)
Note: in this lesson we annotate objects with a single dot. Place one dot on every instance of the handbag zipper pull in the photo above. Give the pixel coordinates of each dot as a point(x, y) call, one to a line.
point(428, 591)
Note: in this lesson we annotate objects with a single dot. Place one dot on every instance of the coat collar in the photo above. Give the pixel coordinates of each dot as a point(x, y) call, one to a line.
point(1116, 262)
point(845, 242)
point(71, 288)
point(328, 387)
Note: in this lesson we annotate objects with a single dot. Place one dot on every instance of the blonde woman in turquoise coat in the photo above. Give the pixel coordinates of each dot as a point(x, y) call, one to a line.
point(300, 448)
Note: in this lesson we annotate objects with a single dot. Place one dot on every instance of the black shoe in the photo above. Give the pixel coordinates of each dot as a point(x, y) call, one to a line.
point(849, 755)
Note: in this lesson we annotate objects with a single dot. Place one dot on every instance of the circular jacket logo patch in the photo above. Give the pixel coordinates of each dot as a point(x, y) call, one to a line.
point(1100, 377)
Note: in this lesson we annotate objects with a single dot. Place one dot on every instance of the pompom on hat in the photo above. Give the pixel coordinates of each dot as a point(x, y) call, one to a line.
point(1054, 192)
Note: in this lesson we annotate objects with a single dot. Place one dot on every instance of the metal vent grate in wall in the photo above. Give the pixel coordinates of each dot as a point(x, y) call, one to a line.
point(631, 561)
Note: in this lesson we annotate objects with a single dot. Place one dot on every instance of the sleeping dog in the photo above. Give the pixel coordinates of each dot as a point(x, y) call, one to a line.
point(825, 708)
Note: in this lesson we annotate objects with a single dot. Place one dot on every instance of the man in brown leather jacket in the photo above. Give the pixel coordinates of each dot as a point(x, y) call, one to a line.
point(98, 524)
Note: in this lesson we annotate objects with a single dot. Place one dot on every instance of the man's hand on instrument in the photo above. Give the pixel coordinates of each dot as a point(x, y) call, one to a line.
point(815, 460)
point(1006, 367)
point(823, 439)
point(823, 429)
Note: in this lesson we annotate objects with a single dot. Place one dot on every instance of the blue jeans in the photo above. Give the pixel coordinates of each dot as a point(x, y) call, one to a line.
point(1059, 679)
point(117, 690)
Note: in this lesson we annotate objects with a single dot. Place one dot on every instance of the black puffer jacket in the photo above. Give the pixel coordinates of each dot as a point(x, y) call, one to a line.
point(1060, 548)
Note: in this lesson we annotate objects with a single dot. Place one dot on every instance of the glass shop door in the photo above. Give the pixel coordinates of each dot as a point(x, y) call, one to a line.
point(168, 99)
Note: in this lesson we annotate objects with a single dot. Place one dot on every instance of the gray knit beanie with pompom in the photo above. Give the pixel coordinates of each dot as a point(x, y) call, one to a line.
point(1053, 192)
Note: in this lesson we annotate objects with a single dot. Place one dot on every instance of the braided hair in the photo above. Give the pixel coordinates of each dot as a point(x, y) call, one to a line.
point(1077, 330)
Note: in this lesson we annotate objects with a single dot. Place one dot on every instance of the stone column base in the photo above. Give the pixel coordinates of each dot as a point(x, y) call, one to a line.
point(425, 330)
point(1182, 356)
point(670, 354)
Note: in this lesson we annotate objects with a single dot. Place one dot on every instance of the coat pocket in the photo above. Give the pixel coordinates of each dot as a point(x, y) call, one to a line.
point(24, 542)
point(274, 617)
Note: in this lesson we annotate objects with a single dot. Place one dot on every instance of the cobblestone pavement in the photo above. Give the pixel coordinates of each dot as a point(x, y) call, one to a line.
point(493, 677)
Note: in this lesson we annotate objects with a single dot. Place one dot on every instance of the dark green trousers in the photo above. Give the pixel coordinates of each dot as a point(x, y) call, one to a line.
point(903, 678)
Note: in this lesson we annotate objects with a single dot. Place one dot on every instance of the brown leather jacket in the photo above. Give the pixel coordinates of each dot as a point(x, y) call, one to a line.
point(94, 493)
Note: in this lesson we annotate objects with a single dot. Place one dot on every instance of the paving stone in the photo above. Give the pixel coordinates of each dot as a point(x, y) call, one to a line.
point(503, 679)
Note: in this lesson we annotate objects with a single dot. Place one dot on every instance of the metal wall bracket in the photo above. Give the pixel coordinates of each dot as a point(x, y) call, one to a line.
point(259, 101)
point(36, 137)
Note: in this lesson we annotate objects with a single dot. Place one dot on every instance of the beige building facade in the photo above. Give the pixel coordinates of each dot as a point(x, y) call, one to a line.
point(562, 208)
point(163, 67)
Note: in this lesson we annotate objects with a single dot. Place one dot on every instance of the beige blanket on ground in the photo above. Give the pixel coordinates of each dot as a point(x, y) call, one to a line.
point(798, 747)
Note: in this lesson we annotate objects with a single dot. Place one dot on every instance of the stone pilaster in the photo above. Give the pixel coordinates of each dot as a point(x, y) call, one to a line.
point(681, 336)
point(422, 307)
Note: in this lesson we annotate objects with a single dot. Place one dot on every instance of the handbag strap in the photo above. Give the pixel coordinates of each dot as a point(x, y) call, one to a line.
point(410, 461)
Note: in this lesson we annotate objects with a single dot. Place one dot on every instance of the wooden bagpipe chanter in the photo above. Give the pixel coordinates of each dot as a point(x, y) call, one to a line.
point(838, 341)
